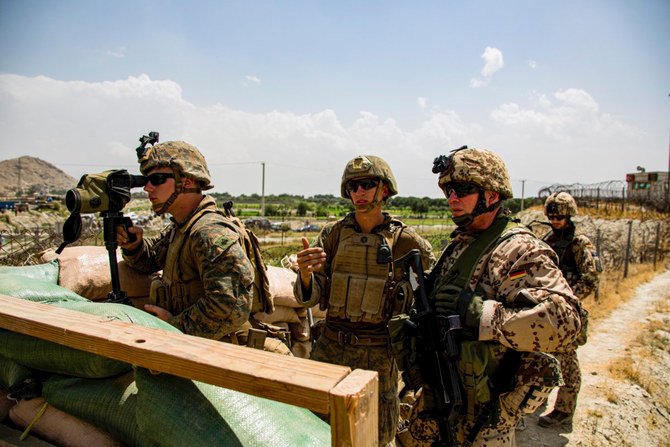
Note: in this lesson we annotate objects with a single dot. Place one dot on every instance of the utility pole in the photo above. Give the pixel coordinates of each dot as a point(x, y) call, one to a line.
point(263, 190)
point(523, 184)
point(667, 189)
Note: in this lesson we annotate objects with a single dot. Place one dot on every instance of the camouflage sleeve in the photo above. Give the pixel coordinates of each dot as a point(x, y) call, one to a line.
point(313, 296)
point(586, 263)
point(530, 305)
point(227, 276)
point(150, 256)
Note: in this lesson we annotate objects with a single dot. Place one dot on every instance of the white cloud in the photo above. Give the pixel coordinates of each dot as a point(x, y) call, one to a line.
point(118, 52)
point(253, 79)
point(422, 102)
point(493, 62)
point(74, 123)
point(532, 64)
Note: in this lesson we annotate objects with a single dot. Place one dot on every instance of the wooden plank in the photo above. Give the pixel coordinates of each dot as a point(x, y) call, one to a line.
point(291, 380)
point(354, 410)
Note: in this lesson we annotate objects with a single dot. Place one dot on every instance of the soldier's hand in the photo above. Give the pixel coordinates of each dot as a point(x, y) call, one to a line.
point(310, 259)
point(161, 313)
point(122, 237)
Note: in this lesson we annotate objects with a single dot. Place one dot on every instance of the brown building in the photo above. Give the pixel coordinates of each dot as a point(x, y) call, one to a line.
point(648, 187)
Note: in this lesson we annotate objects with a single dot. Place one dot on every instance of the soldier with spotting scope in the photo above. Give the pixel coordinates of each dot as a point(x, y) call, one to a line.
point(205, 288)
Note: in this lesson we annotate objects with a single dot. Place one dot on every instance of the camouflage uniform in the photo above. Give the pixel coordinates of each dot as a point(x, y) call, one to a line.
point(528, 307)
point(207, 277)
point(346, 337)
point(578, 262)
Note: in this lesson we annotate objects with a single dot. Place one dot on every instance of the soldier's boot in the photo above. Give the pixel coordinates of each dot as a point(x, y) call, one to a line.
point(554, 419)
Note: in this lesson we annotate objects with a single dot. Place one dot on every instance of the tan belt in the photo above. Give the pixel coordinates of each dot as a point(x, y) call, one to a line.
point(349, 338)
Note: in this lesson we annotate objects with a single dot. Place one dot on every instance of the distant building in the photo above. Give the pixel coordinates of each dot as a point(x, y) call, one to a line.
point(648, 186)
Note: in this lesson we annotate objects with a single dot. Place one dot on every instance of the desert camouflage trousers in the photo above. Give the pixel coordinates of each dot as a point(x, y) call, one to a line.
point(373, 358)
point(524, 399)
point(566, 399)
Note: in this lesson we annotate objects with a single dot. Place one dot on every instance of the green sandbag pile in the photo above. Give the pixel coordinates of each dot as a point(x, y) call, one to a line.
point(110, 404)
point(12, 374)
point(218, 416)
point(44, 272)
point(143, 409)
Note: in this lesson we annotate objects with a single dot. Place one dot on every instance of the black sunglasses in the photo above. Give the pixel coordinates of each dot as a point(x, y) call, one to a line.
point(158, 178)
point(460, 189)
point(557, 217)
point(365, 183)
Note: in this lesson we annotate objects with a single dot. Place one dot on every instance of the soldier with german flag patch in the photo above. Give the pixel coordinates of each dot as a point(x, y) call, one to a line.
point(513, 302)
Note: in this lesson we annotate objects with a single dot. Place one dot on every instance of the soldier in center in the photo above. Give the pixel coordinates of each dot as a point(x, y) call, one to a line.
point(349, 271)
point(510, 300)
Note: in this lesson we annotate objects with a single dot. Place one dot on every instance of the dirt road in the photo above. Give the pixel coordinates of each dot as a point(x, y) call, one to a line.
point(614, 411)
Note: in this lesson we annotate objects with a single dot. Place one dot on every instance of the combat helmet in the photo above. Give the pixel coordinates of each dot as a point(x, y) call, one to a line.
point(368, 166)
point(560, 204)
point(477, 166)
point(182, 157)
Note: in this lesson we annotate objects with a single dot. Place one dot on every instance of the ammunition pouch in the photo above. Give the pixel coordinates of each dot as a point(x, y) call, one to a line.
point(473, 364)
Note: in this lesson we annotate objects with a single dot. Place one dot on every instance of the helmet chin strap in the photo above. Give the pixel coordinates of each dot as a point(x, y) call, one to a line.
point(178, 189)
point(369, 206)
point(480, 208)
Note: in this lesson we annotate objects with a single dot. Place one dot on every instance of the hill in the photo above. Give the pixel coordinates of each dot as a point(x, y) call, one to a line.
point(36, 175)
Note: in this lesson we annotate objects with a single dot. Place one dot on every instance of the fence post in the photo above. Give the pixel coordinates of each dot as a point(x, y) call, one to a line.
point(623, 198)
point(656, 243)
point(596, 293)
point(625, 264)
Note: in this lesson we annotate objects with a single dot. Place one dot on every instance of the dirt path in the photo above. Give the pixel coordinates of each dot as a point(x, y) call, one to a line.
point(613, 411)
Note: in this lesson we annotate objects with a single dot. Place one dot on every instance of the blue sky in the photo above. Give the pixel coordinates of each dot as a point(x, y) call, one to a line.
point(565, 91)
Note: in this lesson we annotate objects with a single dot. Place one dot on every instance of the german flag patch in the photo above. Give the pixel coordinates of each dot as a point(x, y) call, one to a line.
point(517, 274)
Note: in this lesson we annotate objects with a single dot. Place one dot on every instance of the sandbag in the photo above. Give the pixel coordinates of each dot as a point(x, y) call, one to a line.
point(12, 374)
point(110, 404)
point(48, 356)
point(6, 405)
point(85, 270)
point(281, 286)
point(45, 272)
point(280, 314)
point(178, 412)
point(59, 427)
point(37, 290)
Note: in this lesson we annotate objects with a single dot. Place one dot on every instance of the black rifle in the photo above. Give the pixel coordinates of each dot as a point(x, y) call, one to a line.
point(436, 354)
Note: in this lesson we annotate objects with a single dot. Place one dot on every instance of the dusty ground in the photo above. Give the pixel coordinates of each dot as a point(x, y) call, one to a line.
point(625, 395)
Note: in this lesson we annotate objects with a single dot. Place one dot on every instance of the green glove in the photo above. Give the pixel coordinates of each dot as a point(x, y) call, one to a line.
point(470, 308)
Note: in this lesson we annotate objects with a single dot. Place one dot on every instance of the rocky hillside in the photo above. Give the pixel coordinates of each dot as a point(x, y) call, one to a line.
point(36, 175)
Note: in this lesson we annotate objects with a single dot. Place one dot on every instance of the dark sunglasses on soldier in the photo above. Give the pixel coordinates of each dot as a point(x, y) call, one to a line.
point(365, 183)
point(557, 217)
point(460, 189)
point(158, 178)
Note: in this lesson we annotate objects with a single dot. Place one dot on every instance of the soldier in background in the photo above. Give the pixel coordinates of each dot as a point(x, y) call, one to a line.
point(513, 302)
point(205, 288)
point(580, 265)
point(349, 272)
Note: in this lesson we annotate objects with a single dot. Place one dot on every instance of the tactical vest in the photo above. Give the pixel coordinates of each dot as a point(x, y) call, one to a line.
point(181, 284)
point(486, 369)
point(362, 282)
point(564, 248)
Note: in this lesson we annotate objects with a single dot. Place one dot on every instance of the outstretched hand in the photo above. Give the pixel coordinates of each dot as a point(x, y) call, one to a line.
point(310, 260)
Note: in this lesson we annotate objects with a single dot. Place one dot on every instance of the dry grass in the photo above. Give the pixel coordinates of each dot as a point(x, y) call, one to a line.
point(616, 290)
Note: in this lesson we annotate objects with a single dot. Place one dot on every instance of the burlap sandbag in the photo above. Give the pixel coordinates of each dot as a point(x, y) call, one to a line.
point(44, 272)
point(85, 270)
point(179, 412)
point(280, 314)
point(59, 427)
point(281, 286)
point(37, 290)
point(48, 356)
point(6, 404)
point(110, 404)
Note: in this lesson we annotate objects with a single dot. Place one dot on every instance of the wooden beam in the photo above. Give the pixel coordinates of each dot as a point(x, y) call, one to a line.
point(292, 380)
point(354, 414)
